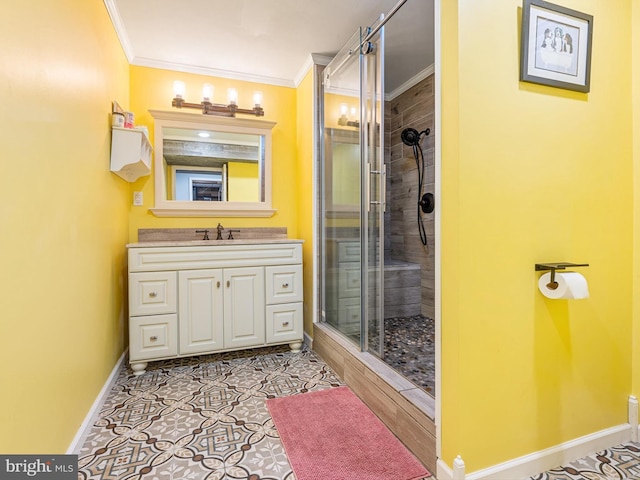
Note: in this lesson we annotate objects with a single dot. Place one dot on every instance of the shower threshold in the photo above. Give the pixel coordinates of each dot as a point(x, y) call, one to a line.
point(407, 410)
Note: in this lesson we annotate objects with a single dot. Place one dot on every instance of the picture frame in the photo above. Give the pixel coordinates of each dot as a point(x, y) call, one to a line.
point(555, 46)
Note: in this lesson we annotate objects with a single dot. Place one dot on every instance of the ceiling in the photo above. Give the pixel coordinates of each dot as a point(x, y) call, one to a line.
point(264, 41)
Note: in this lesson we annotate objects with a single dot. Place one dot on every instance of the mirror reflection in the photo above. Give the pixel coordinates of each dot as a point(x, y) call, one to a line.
point(212, 166)
point(208, 165)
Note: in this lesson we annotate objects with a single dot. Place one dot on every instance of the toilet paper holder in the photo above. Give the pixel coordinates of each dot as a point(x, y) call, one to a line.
point(556, 266)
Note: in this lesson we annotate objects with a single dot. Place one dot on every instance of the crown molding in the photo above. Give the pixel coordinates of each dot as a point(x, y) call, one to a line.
point(212, 72)
point(118, 26)
point(417, 78)
point(312, 59)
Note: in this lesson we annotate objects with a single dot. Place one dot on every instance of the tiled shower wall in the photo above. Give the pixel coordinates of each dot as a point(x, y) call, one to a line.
point(414, 108)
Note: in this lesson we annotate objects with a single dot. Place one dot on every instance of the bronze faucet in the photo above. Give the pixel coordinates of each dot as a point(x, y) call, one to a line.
point(206, 234)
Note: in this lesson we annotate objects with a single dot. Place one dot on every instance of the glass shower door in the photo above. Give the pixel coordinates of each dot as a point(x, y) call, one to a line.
point(342, 193)
point(375, 192)
point(353, 194)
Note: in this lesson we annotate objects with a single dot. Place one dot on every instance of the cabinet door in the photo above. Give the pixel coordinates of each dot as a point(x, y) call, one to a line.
point(244, 307)
point(200, 311)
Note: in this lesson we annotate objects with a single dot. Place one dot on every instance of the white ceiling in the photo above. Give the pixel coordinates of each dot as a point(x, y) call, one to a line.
point(265, 41)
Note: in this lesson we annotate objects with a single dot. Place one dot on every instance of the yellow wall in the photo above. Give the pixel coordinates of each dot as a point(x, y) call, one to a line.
point(636, 193)
point(244, 184)
point(532, 174)
point(152, 89)
point(306, 214)
point(63, 218)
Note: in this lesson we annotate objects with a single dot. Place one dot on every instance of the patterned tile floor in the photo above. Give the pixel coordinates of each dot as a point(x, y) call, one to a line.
point(617, 463)
point(200, 418)
point(205, 418)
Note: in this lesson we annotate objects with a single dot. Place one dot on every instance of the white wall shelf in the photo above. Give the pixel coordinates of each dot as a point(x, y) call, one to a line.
point(130, 153)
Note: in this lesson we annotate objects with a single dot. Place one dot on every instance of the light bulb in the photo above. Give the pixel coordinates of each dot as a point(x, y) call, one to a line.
point(343, 109)
point(257, 98)
point(179, 89)
point(353, 112)
point(232, 96)
point(207, 92)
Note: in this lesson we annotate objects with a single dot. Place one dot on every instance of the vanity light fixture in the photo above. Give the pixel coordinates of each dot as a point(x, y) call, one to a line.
point(344, 121)
point(210, 108)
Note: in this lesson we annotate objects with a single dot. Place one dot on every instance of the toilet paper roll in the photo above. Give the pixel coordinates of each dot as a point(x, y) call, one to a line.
point(570, 285)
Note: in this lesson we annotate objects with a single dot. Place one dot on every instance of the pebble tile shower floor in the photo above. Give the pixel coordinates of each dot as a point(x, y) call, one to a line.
point(410, 349)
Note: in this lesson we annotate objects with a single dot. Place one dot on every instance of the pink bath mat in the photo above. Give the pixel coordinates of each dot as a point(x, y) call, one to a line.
point(331, 435)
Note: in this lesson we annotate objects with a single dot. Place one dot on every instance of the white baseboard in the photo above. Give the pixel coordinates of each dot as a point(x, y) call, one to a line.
point(537, 462)
point(83, 431)
point(308, 341)
point(443, 471)
point(552, 457)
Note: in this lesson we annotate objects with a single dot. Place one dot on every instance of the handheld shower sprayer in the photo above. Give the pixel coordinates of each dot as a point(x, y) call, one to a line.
point(411, 137)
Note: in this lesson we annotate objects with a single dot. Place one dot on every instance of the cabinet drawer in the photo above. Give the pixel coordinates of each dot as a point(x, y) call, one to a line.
point(284, 284)
point(349, 280)
point(152, 293)
point(155, 336)
point(284, 322)
point(349, 251)
point(349, 311)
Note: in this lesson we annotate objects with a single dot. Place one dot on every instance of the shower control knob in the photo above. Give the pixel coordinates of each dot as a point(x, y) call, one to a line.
point(427, 203)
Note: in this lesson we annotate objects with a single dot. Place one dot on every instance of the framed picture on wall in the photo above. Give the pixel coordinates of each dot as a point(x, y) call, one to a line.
point(556, 46)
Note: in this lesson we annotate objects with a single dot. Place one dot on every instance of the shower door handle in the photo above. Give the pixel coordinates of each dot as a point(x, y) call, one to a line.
point(382, 186)
point(367, 186)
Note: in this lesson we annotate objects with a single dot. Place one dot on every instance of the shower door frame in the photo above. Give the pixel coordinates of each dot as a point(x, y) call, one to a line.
point(372, 191)
point(374, 175)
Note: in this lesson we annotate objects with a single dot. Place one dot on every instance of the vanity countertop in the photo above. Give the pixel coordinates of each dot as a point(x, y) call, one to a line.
point(209, 243)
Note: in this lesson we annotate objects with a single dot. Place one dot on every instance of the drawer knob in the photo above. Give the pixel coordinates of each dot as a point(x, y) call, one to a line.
point(284, 324)
point(285, 285)
point(153, 294)
point(218, 284)
point(228, 283)
point(153, 338)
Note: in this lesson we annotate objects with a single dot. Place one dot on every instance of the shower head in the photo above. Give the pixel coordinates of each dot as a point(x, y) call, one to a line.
point(411, 137)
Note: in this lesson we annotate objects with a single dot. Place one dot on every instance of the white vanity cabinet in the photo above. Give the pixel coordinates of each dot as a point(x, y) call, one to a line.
point(191, 298)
